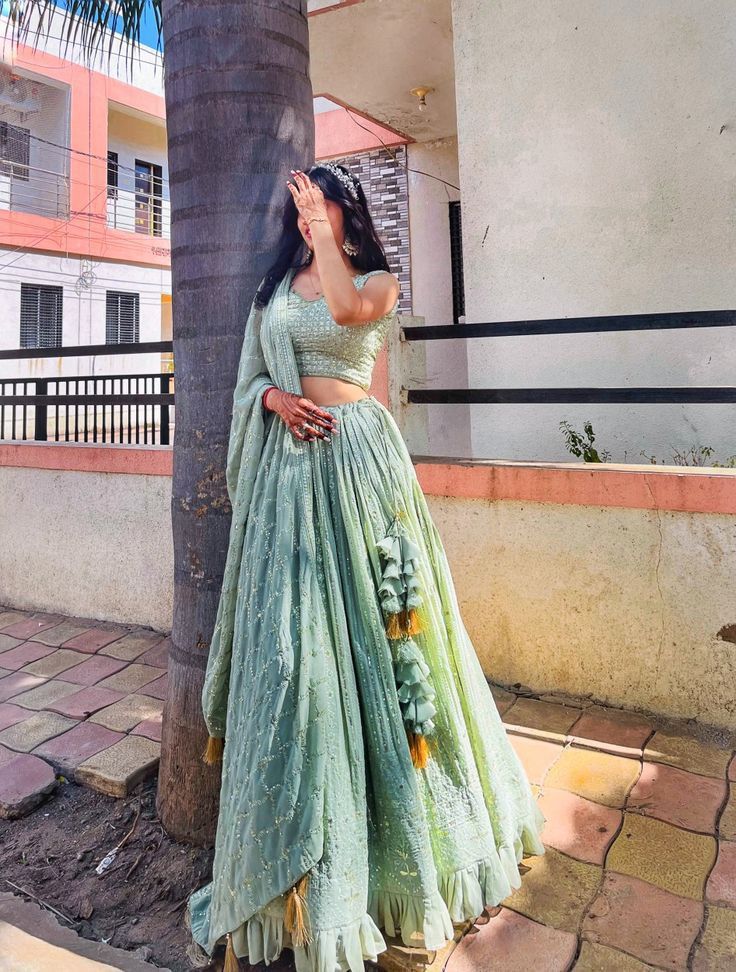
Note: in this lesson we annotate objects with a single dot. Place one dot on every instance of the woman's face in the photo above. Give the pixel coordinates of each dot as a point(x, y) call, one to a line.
point(334, 214)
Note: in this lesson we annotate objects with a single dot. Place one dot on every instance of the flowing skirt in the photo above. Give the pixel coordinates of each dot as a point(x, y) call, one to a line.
point(403, 849)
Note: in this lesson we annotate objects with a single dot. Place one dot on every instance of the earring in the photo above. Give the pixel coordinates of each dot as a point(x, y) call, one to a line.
point(350, 248)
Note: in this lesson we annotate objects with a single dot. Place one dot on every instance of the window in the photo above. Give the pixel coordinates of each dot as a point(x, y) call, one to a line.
point(123, 317)
point(15, 150)
point(456, 262)
point(112, 175)
point(148, 186)
point(40, 316)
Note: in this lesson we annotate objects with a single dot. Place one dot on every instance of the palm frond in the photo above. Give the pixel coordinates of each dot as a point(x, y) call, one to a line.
point(85, 22)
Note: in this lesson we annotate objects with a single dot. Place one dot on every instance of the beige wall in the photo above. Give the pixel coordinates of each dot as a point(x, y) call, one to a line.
point(444, 363)
point(90, 544)
point(429, 226)
point(624, 604)
point(597, 151)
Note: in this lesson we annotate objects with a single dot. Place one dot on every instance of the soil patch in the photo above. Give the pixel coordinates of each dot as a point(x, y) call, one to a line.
point(139, 902)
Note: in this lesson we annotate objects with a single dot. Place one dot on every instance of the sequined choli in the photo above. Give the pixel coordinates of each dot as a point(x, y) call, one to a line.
point(324, 348)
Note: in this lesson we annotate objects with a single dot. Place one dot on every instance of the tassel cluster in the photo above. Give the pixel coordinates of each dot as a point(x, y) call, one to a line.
point(414, 689)
point(415, 694)
point(296, 914)
point(399, 590)
point(213, 752)
point(401, 600)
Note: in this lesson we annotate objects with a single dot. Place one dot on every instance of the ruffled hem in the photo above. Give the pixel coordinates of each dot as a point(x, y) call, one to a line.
point(462, 894)
point(263, 937)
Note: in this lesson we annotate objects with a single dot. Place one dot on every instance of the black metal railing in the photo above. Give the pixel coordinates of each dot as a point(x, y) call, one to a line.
point(131, 409)
point(689, 394)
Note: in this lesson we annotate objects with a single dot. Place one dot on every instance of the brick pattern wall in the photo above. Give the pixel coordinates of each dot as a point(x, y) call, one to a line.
point(386, 188)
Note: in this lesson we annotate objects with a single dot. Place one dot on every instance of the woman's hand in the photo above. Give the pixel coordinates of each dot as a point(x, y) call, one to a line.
point(308, 197)
point(302, 417)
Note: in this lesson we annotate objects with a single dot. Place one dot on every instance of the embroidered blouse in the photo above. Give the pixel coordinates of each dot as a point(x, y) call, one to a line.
point(323, 347)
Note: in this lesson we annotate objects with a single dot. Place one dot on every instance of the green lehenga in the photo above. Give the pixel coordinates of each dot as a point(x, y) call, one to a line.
point(339, 649)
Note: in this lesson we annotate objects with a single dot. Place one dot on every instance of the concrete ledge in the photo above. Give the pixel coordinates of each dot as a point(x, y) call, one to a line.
point(94, 457)
point(96, 540)
point(688, 489)
point(573, 577)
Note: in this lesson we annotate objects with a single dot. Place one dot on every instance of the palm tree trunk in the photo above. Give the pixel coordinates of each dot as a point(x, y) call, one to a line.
point(239, 117)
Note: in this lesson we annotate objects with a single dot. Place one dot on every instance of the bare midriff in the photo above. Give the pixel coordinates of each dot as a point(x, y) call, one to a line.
point(330, 391)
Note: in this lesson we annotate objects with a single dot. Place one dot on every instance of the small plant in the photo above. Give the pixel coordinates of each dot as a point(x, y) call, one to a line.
point(582, 445)
point(695, 456)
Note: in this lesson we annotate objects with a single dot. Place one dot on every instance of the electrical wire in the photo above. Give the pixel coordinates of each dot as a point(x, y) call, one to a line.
point(64, 150)
point(395, 159)
point(61, 224)
point(46, 272)
point(144, 288)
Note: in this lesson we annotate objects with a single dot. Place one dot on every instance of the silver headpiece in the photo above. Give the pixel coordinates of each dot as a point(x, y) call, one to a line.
point(345, 179)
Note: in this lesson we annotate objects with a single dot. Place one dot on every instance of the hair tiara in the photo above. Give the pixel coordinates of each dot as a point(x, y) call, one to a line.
point(344, 178)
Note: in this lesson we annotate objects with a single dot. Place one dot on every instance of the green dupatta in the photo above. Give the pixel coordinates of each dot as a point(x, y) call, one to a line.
point(275, 783)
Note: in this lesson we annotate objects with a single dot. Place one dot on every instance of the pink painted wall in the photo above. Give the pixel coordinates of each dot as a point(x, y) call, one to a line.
point(90, 92)
point(689, 490)
point(337, 134)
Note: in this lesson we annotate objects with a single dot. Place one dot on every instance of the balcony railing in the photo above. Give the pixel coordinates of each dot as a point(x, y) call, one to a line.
point(29, 189)
point(134, 409)
point(138, 212)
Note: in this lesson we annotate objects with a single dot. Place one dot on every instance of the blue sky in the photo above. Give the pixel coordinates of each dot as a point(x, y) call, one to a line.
point(149, 32)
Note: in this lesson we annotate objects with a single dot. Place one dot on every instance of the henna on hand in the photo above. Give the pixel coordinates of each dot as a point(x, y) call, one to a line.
point(297, 411)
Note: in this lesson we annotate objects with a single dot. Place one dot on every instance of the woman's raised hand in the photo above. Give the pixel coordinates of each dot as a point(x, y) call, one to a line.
point(308, 197)
point(302, 417)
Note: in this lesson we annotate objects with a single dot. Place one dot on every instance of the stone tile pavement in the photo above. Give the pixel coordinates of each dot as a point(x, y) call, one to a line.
point(78, 698)
point(640, 865)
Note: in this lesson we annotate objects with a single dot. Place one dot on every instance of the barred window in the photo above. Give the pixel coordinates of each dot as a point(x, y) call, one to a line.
point(123, 317)
point(148, 192)
point(112, 175)
point(15, 150)
point(40, 315)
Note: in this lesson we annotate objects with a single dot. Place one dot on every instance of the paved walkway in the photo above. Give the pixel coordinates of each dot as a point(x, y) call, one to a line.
point(77, 697)
point(640, 864)
point(640, 869)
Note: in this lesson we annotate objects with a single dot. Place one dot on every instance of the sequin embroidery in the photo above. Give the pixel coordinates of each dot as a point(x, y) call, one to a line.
point(323, 347)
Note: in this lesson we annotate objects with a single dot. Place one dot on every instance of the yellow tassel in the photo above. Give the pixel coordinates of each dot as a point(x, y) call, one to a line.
point(231, 959)
point(419, 749)
point(416, 623)
point(393, 625)
point(296, 914)
point(214, 750)
point(405, 622)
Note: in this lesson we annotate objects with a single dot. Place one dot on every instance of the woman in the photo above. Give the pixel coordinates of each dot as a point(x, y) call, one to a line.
point(367, 780)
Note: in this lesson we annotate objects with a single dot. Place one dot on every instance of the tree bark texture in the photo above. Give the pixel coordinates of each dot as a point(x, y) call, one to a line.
point(240, 117)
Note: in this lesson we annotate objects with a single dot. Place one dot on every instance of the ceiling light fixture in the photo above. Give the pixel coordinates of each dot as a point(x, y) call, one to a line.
point(421, 92)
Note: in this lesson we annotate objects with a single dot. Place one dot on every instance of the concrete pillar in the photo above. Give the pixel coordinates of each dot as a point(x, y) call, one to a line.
point(597, 152)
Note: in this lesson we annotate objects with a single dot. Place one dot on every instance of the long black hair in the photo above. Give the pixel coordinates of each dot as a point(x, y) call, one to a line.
point(357, 223)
